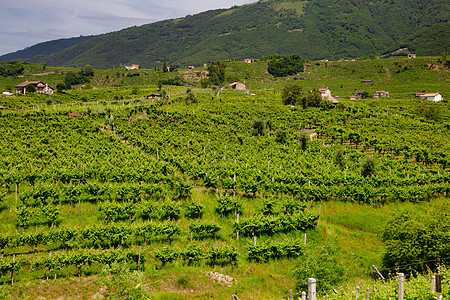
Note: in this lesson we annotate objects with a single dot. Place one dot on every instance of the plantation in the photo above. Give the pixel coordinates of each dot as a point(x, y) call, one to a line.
point(213, 192)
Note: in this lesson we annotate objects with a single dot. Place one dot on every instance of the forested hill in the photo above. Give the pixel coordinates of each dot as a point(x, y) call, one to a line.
point(316, 29)
point(45, 48)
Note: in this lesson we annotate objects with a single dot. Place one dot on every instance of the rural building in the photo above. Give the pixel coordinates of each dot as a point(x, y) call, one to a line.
point(419, 95)
point(432, 97)
point(132, 67)
point(353, 98)
point(325, 93)
point(238, 86)
point(411, 55)
point(366, 81)
point(191, 67)
point(358, 93)
point(379, 94)
point(249, 60)
point(40, 87)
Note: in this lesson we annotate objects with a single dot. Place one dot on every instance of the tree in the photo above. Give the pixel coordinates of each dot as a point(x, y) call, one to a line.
point(216, 73)
point(60, 87)
point(258, 125)
point(313, 99)
point(11, 68)
point(281, 66)
point(339, 159)
point(303, 137)
point(87, 71)
point(368, 166)
point(31, 88)
point(292, 94)
point(281, 136)
point(190, 97)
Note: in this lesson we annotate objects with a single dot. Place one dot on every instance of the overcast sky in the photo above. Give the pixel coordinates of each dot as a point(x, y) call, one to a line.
point(24, 23)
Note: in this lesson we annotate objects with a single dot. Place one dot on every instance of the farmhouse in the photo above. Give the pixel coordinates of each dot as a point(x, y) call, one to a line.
point(325, 93)
point(435, 97)
point(412, 55)
point(249, 60)
point(419, 95)
point(379, 94)
point(40, 87)
point(132, 67)
point(238, 86)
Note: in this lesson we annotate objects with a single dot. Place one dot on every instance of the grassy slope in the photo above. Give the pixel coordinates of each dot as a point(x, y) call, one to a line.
point(355, 226)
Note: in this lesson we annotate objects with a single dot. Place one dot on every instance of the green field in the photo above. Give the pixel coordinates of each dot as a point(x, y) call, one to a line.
point(158, 185)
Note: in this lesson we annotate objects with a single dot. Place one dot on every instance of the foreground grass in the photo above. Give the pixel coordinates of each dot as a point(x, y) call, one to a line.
point(355, 227)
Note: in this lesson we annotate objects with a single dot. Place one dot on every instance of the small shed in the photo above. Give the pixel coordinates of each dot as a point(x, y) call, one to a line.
point(238, 86)
point(435, 97)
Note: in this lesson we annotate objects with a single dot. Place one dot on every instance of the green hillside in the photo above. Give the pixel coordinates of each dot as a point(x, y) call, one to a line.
point(109, 190)
point(318, 29)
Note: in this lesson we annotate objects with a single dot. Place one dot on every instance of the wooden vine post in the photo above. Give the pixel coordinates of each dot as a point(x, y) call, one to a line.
point(401, 285)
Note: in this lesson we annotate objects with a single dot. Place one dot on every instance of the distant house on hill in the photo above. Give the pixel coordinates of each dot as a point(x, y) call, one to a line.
point(132, 67)
point(379, 94)
point(419, 95)
point(412, 55)
point(325, 93)
point(358, 93)
point(435, 97)
point(249, 60)
point(40, 87)
point(238, 86)
point(353, 98)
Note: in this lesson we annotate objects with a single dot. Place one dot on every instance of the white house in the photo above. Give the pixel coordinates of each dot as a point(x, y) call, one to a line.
point(325, 93)
point(435, 97)
point(132, 67)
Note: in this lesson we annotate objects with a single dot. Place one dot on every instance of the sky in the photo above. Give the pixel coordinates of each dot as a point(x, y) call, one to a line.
point(24, 23)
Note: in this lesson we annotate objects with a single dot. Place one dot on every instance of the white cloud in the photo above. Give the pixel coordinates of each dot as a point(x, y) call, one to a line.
point(25, 23)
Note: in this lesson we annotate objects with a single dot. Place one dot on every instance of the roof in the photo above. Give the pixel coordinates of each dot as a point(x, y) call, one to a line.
point(237, 82)
point(430, 95)
point(40, 84)
point(27, 83)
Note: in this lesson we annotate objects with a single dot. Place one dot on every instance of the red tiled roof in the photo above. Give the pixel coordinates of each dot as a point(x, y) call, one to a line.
point(27, 83)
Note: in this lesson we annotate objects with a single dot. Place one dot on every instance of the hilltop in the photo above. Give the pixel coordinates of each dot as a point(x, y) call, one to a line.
point(317, 29)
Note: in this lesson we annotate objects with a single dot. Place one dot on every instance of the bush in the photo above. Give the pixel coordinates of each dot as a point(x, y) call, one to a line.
point(281, 136)
point(320, 263)
point(368, 166)
point(413, 236)
point(258, 125)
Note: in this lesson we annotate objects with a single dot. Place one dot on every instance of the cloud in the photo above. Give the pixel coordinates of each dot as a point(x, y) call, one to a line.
point(23, 23)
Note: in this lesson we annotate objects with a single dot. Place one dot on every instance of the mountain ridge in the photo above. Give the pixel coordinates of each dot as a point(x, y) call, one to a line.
point(315, 29)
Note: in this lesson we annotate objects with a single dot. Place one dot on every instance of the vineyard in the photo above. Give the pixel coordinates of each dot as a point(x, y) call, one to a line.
point(184, 190)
